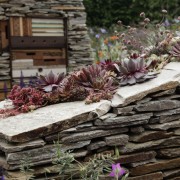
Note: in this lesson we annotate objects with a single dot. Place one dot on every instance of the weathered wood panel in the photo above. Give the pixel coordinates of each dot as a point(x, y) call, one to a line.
point(4, 34)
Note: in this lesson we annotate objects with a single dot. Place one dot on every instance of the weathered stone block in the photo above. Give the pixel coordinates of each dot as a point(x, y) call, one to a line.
point(153, 167)
point(169, 153)
point(96, 145)
point(165, 126)
point(156, 144)
point(122, 121)
point(150, 135)
point(136, 157)
point(124, 110)
point(137, 130)
point(152, 176)
point(158, 105)
point(77, 137)
point(117, 140)
point(10, 147)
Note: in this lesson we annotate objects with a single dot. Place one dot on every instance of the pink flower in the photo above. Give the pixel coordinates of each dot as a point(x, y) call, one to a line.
point(117, 170)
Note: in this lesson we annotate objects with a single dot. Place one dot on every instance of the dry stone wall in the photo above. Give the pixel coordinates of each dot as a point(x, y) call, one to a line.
point(146, 131)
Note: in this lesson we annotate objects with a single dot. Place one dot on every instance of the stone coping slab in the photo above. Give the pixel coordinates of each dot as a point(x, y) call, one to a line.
point(50, 119)
point(168, 78)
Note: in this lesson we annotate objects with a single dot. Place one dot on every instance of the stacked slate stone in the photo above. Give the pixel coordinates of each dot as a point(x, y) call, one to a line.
point(79, 50)
point(4, 66)
point(143, 124)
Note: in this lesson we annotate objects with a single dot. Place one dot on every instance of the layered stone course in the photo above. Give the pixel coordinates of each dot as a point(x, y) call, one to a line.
point(146, 131)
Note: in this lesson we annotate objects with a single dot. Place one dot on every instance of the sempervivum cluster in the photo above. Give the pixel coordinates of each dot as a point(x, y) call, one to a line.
point(134, 70)
point(26, 99)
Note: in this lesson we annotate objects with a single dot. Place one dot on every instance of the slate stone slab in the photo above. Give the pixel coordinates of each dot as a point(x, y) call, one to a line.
point(54, 118)
point(13, 147)
point(158, 105)
point(171, 173)
point(152, 176)
point(167, 92)
point(177, 132)
point(136, 157)
point(124, 110)
point(169, 78)
point(167, 113)
point(153, 167)
point(169, 153)
point(137, 130)
point(77, 137)
point(96, 145)
point(151, 145)
point(117, 140)
point(150, 135)
point(42, 154)
point(122, 121)
point(165, 126)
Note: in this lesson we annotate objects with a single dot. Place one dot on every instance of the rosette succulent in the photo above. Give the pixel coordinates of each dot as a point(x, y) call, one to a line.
point(97, 81)
point(50, 81)
point(94, 78)
point(134, 70)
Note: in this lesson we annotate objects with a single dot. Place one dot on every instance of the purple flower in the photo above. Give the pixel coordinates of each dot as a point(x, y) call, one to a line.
point(2, 177)
point(103, 31)
point(97, 36)
point(117, 170)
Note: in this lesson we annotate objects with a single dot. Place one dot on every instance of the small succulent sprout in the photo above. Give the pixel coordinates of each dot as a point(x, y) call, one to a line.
point(50, 81)
point(134, 70)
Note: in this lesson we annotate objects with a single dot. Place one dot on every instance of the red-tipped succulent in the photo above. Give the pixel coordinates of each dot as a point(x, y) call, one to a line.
point(96, 81)
point(50, 81)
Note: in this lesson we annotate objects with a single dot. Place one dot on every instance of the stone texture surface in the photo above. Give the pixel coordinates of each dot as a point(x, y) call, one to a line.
point(165, 126)
point(171, 173)
point(136, 157)
point(156, 144)
point(55, 118)
point(122, 121)
point(92, 134)
point(169, 78)
point(158, 105)
point(13, 147)
point(117, 140)
point(150, 135)
point(169, 153)
point(153, 167)
point(152, 176)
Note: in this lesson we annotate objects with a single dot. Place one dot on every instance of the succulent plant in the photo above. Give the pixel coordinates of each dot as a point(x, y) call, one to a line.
point(134, 70)
point(97, 82)
point(26, 99)
point(67, 91)
point(50, 81)
point(176, 50)
point(94, 79)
